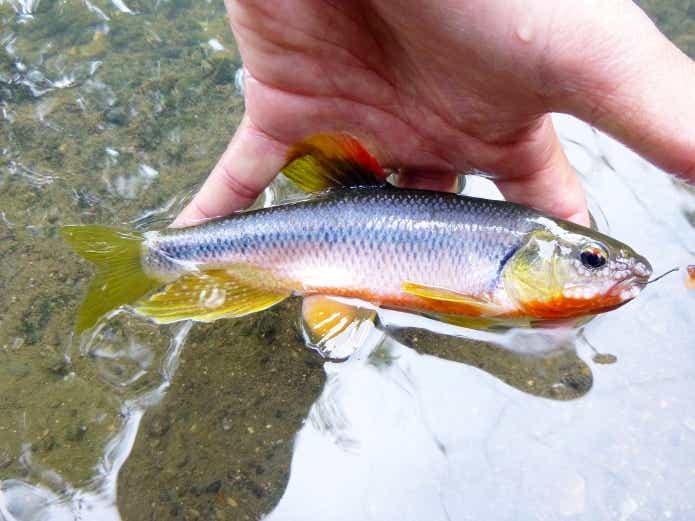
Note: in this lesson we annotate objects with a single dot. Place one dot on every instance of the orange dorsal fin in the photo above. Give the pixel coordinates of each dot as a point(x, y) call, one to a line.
point(325, 161)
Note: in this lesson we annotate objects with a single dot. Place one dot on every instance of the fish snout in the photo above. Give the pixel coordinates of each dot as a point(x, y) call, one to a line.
point(632, 275)
point(641, 269)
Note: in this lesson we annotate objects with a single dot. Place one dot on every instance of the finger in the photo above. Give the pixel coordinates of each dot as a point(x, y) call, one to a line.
point(537, 173)
point(427, 180)
point(246, 167)
point(640, 90)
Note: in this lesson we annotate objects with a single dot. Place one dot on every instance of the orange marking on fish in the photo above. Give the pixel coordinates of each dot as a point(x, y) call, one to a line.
point(405, 301)
point(565, 307)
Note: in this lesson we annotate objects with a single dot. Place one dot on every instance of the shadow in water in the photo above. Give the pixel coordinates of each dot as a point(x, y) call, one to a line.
point(557, 374)
point(220, 444)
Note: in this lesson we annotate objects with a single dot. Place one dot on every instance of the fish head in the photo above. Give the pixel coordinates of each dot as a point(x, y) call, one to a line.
point(567, 271)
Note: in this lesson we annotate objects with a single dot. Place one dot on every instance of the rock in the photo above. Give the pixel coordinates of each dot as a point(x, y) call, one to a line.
point(158, 425)
point(116, 116)
point(76, 433)
point(214, 487)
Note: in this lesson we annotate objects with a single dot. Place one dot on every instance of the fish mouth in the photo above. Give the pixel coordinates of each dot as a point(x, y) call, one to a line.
point(629, 287)
point(634, 281)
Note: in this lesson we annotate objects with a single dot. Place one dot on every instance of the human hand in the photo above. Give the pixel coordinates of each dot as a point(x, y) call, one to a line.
point(438, 88)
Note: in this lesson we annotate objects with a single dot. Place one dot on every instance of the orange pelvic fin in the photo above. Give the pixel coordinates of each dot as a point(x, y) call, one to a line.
point(325, 161)
point(207, 296)
point(334, 327)
point(480, 306)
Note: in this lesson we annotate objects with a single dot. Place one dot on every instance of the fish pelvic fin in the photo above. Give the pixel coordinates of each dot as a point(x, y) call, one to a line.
point(335, 328)
point(207, 296)
point(325, 161)
point(120, 278)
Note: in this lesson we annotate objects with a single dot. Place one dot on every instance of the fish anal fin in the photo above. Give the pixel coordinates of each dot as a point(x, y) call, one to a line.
point(325, 161)
point(334, 327)
point(207, 296)
point(478, 305)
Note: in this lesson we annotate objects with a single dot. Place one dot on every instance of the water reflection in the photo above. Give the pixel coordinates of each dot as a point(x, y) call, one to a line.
point(106, 121)
point(556, 373)
point(212, 409)
point(220, 442)
point(128, 352)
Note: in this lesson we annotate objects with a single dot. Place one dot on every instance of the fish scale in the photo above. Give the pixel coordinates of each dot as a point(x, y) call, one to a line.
point(374, 238)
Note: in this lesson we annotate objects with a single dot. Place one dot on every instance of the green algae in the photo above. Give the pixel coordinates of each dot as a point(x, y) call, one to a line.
point(676, 19)
point(75, 154)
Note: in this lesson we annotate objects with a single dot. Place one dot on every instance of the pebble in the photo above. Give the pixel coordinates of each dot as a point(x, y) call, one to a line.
point(214, 487)
point(158, 426)
point(76, 433)
point(604, 358)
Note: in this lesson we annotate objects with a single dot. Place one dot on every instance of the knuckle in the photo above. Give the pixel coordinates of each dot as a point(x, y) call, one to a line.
point(238, 187)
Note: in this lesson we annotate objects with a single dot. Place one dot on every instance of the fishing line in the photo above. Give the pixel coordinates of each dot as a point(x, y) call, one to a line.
point(660, 276)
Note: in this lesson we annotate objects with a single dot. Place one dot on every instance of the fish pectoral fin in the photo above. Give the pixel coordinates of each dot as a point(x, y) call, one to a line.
point(207, 296)
point(324, 161)
point(335, 327)
point(483, 305)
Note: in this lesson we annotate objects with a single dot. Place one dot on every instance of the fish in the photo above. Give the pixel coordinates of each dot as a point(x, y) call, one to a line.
point(463, 260)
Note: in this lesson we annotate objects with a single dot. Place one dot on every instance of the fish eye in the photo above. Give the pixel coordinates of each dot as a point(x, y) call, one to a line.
point(593, 257)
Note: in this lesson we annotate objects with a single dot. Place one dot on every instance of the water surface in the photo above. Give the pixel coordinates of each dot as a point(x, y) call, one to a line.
point(111, 112)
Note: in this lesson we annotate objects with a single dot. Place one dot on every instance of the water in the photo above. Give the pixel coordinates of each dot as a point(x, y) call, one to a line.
point(112, 112)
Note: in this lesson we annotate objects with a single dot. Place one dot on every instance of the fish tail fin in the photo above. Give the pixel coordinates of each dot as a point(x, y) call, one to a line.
point(120, 278)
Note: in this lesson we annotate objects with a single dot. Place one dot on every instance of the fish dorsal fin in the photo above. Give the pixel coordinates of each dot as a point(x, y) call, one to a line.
point(207, 296)
point(480, 306)
point(325, 161)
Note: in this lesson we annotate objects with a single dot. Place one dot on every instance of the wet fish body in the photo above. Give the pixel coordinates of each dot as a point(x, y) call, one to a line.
point(464, 260)
point(360, 243)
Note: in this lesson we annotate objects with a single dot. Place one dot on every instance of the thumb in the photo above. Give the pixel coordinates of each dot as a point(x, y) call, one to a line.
point(246, 167)
point(641, 92)
point(536, 172)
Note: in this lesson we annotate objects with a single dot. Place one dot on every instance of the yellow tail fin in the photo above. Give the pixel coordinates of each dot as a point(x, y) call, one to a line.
point(120, 278)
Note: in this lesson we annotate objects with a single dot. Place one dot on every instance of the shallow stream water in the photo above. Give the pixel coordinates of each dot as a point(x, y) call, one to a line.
point(111, 112)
